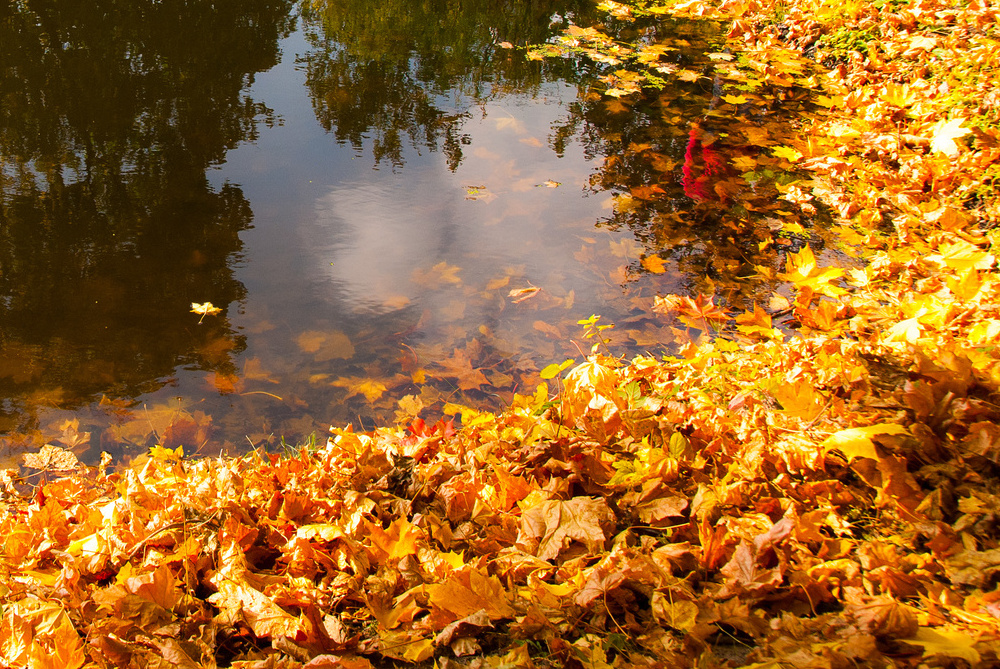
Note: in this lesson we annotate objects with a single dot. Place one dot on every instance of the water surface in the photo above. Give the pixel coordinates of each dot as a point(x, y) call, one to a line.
point(392, 210)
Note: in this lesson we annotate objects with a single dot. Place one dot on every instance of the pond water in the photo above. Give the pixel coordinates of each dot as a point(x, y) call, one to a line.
point(391, 209)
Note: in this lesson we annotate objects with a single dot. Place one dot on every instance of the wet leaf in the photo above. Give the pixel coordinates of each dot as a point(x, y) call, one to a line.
point(51, 458)
point(324, 346)
point(204, 309)
point(439, 275)
point(654, 264)
point(521, 294)
point(788, 153)
point(371, 389)
point(460, 368)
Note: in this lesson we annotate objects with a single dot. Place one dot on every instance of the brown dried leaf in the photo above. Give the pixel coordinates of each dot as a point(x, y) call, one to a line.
point(551, 526)
point(51, 458)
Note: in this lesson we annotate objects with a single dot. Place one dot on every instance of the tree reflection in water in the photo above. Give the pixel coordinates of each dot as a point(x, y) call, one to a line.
point(112, 111)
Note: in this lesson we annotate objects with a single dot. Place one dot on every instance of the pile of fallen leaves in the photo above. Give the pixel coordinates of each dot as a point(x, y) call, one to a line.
point(821, 500)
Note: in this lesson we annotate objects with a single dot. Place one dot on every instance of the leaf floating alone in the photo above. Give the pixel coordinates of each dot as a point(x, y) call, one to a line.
point(205, 309)
point(479, 193)
point(549, 183)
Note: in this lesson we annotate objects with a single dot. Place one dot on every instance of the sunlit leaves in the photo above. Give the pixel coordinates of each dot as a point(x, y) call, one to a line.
point(788, 153)
point(701, 312)
point(947, 642)
point(898, 95)
point(856, 442)
point(802, 269)
point(758, 322)
point(960, 255)
point(51, 458)
point(945, 133)
point(238, 600)
point(828, 495)
point(551, 527)
point(33, 634)
point(555, 369)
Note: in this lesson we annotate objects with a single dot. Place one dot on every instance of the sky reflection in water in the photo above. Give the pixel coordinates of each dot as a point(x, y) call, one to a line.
point(365, 217)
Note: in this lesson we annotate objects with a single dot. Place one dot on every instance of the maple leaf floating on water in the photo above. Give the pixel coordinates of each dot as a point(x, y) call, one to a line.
point(205, 309)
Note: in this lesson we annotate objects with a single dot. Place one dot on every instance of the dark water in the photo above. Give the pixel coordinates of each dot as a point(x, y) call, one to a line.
point(359, 186)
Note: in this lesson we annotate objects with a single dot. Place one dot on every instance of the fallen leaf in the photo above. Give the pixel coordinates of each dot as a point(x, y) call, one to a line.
point(548, 528)
point(944, 135)
point(856, 442)
point(205, 309)
point(949, 643)
point(438, 275)
point(654, 264)
point(51, 458)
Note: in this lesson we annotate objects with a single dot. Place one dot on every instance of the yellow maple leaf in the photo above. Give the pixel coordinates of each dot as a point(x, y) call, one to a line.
point(856, 442)
point(835, 101)
point(744, 163)
point(735, 99)
point(898, 95)
point(654, 264)
point(950, 643)
point(555, 369)
point(167, 454)
point(787, 152)
point(680, 615)
point(944, 136)
point(205, 309)
point(961, 255)
point(908, 330)
point(756, 322)
point(802, 269)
